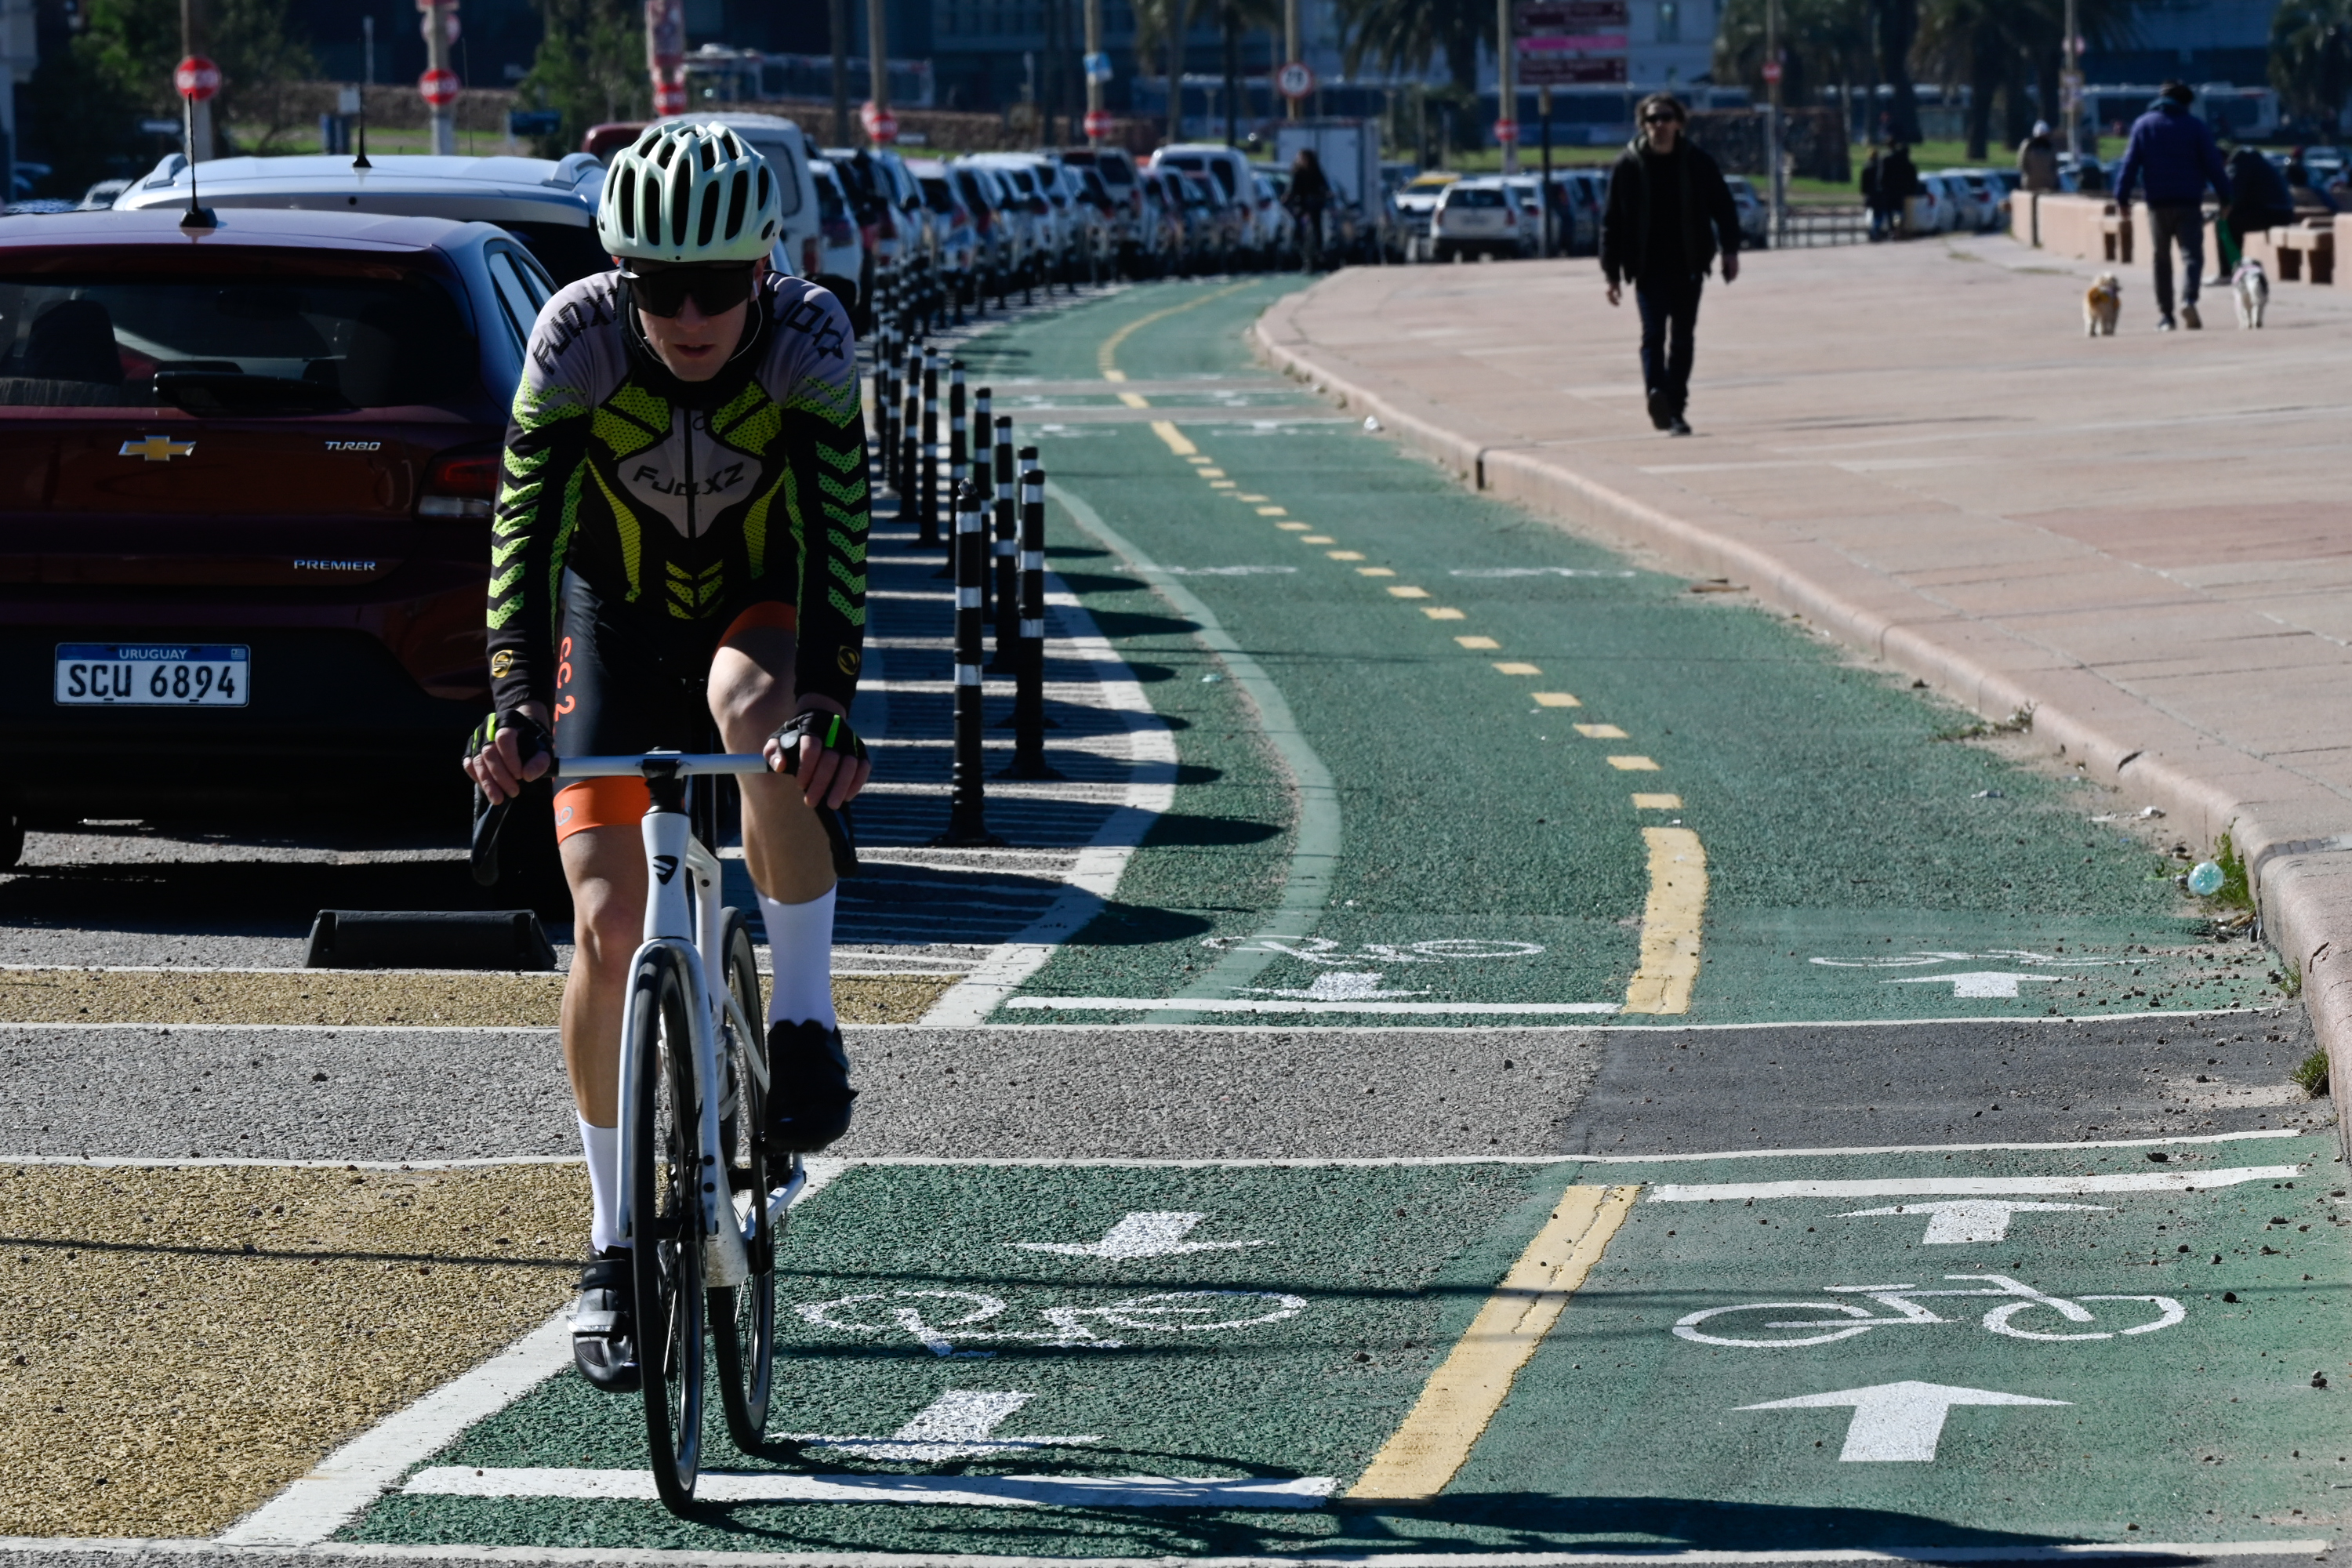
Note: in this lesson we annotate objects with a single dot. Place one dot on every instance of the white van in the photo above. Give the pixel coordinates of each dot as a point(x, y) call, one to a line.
point(800, 246)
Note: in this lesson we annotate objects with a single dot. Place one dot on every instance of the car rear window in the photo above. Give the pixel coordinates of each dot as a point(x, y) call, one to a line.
point(937, 195)
point(830, 208)
point(231, 346)
point(1481, 196)
point(568, 250)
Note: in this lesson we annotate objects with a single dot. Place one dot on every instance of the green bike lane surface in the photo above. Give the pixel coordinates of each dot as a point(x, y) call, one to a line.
point(1864, 860)
point(1070, 1360)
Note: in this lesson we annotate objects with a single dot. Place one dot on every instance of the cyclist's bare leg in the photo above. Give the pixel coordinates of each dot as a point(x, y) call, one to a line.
point(606, 869)
point(751, 697)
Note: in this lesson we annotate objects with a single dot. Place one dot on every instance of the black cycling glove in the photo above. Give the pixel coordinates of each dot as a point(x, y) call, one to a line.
point(530, 737)
point(831, 730)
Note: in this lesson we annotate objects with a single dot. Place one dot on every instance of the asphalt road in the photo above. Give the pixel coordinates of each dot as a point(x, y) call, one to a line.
point(1872, 875)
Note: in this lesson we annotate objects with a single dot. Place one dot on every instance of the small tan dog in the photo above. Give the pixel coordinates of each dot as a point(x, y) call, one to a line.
point(2102, 303)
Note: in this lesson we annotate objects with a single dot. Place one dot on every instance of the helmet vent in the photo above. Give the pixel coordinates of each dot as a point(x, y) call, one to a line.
point(623, 206)
point(681, 200)
point(708, 146)
point(709, 225)
point(653, 224)
point(743, 192)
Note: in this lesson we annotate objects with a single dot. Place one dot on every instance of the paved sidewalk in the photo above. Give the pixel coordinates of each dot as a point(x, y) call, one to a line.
point(2142, 539)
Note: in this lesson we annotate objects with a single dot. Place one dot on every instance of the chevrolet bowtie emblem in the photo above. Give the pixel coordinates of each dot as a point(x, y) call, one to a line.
point(157, 448)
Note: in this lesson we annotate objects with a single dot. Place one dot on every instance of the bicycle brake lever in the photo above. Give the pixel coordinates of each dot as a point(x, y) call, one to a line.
point(487, 819)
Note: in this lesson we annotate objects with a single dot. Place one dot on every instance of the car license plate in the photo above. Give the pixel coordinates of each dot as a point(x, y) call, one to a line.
point(152, 675)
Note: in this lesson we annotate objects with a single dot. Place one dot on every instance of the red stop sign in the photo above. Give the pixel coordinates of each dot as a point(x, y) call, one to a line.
point(1507, 131)
point(881, 125)
point(439, 88)
point(1773, 71)
point(670, 98)
point(1098, 124)
point(196, 78)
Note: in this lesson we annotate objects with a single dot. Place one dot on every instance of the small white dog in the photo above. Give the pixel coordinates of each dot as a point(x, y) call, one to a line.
point(2103, 301)
point(2250, 286)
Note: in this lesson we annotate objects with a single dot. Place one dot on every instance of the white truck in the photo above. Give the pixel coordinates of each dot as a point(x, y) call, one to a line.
point(1349, 151)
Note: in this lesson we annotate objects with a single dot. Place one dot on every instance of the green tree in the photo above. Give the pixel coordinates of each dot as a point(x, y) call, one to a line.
point(1824, 44)
point(2001, 47)
point(1160, 30)
point(86, 100)
point(2311, 57)
point(1404, 37)
point(590, 68)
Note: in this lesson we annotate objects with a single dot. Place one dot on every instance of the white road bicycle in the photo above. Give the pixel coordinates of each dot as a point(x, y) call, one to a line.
point(1847, 1320)
point(702, 1198)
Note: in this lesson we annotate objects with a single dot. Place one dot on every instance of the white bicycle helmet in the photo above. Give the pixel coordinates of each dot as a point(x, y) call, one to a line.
point(688, 193)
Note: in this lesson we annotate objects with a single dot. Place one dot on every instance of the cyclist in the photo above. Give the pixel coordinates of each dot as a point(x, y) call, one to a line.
point(680, 538)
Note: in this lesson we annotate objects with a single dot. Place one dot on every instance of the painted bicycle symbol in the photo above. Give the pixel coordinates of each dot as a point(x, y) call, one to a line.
point(1846, 1320)
point(1068, 1328)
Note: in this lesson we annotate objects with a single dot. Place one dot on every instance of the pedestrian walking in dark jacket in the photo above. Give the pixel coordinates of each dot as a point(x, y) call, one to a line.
point(1309, 194)
point(1669, 213)
point(2173, 153)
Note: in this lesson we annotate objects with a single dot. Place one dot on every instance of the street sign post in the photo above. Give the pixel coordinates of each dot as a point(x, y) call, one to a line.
point(1295, 82)
point(196, 79)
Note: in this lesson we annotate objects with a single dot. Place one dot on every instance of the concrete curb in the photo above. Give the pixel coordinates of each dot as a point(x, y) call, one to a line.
point(2298, 859)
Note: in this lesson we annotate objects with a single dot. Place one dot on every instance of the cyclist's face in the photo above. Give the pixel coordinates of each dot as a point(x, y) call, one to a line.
point(693, 345)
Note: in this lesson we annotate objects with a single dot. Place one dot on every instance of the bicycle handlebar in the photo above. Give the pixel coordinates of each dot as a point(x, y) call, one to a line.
point(483, 857)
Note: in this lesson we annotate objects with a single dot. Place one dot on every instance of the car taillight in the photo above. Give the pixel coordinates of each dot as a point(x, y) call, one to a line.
point(461, 485)
point(885, 229)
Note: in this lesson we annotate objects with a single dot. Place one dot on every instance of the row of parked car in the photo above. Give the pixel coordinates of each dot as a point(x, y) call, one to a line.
point(247, 467)
point(1444, 216)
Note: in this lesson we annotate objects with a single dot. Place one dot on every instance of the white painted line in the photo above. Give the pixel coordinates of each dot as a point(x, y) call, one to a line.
point(1315, 841)
point(959, 1491)
point(1235, 1004)
point(653, 1557)
point(1093, 878)
point(823, 1169)
point(347, 1483)
point(1671, 1026)
point(1976, 1186)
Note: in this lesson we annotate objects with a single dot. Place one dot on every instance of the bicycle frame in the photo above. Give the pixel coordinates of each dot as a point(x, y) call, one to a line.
point(683, 922)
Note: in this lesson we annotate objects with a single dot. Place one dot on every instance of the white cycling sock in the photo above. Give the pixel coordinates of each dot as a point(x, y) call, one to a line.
point(603, 1146)
point(800, 944)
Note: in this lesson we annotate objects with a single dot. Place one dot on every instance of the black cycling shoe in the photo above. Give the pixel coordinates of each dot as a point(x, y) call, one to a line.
point(809, 1094)
point(604, 1323)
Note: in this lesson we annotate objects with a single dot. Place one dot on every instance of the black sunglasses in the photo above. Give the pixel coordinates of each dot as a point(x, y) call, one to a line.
point(1662, 119)
point(714, 287)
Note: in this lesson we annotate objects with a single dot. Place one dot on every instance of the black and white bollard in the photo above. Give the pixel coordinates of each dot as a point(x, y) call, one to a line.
point(968, 802)
point(927, 479)
point(885, 384)
point(958, 452)
point(1029, 720)
point(910, 429)
point(983, 479)
point(1004, 547)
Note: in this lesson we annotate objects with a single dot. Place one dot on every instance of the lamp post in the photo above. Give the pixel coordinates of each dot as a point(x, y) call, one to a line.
point(439, 83)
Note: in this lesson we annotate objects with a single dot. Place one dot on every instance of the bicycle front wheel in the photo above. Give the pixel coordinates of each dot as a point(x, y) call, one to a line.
point(743, 1319)
point(665, 1204)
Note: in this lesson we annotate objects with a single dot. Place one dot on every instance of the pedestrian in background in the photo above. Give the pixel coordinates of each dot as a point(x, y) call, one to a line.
point(1873, 177)
point(2171, 150)
point(2037, 160)
point(1669, 213)
point(1309, 194)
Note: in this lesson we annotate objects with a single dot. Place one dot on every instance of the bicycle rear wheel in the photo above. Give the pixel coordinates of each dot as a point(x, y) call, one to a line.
point(743, 1319)
point(667, 1216)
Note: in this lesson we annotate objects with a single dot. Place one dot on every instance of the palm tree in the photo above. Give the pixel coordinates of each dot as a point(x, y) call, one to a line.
point(1236, 18)
point(1824, 43)
point(1160, 25)
point(1404, 37)
point(2311, 57)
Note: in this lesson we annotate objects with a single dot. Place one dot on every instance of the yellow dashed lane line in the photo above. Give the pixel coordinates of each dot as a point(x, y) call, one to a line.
point(1470, 1385)
point(1677, 902)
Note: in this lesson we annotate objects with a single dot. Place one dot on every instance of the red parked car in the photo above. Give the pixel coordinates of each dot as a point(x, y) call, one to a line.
point(245, 482)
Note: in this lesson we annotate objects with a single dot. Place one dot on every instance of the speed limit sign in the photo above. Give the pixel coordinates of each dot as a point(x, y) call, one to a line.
point(1294, 80)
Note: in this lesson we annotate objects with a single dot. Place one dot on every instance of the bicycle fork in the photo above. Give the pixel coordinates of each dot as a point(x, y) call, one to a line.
point(682, 917)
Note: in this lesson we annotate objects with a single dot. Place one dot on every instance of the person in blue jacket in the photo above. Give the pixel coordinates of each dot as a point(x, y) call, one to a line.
point(2175, 154)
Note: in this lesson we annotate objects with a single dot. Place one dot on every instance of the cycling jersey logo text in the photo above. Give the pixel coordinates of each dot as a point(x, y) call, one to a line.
point(649, 477)
point(809, 317)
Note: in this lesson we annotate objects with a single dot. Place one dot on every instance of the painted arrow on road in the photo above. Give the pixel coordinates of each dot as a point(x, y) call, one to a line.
point(1153, 1234)
point(1898, 1421)
point(1958, 1220)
